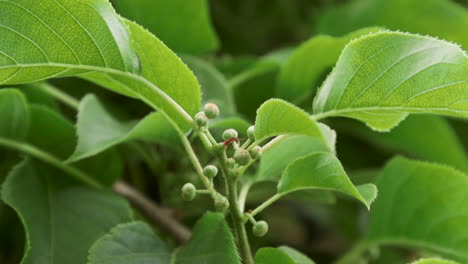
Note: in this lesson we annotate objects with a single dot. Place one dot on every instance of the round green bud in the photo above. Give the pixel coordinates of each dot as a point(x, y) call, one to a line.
point(230, 162)
point(221, 203)
point(211, 110)
point(230, 133)
point(242, 157)
point(251, 132)
point(256, 152)
point(188, 192)
point(210, 171)
point(201, 119)
point(260, 228)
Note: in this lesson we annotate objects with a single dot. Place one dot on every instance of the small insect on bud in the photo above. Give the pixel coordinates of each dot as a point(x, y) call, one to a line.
point(250, 132)
point(188, 192)
point(210, 171)
point(256, 152)
point(242, 157)
point(201, 119)
point(230, 133)
point(211, 110)
point(260, 228)
point(230, 162)
point(221, 203)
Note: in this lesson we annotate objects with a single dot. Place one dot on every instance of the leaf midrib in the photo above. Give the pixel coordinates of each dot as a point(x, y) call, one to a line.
point(401, 109)
point(91, 68)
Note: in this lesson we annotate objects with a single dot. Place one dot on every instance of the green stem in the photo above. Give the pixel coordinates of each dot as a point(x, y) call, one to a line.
point(265, 204)
point(52, 160)
point(243, 195)
point(236, 215)
point(196, 163)
point(353, 255)
point(238, 225)
point(60, 95)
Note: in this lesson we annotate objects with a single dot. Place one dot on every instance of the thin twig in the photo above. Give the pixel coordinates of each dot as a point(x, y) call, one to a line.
point(158, 215)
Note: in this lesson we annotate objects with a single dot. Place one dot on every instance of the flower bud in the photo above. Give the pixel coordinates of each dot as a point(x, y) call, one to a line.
point(230, 162)
point(250, 132)
point(211, 110)
point(221, 203)
point(260, 228)
point(201, 119)
point(256, 152)
point(230, 133)
point(242, 157)
point(188, 192)
point(210, 171)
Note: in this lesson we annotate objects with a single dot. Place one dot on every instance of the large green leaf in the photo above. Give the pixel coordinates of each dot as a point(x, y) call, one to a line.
point(14, 116)
point(211, 243)
point(421, 205)
point(323, 171)
point(132, 243)
point(382, 77)
point(87, 38)
point(410, 137)
point(214, 85)
point(184, 26)
point(277, 117)
point(283, 255)
point(304, 68)
point(59, 214)
point(442, 18)
point(98, 130)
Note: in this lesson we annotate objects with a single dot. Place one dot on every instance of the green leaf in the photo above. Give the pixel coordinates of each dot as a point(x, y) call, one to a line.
point(410, 137)
point(92, 42)
point(283, 255)
point(272, 255)
point(211, 243)
point(433, 261)
point(381, 78)
point(277, 157)
point(98, 130)
point(421, 205)
point(214, 85)
point(14, 116)
point(59, 215)
point(299, 75)
point(132, 243)
point(185, 26)
point(323, 171)
point(276, 117)
point(296, 255)
point(442, 18)
point(61, 141)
